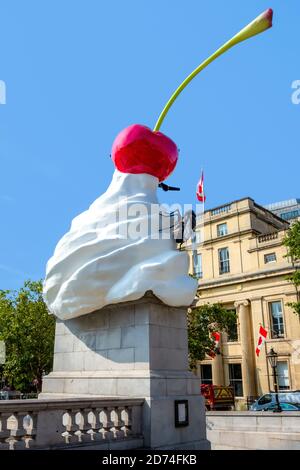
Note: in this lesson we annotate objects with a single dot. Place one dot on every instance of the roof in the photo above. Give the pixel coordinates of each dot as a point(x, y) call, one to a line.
point(264, 208)
point(282, 204)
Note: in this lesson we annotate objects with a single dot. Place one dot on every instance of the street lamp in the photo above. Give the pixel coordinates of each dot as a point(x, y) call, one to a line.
point(273, 357)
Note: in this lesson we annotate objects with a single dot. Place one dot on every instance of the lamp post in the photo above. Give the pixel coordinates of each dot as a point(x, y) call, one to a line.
point(273, 357)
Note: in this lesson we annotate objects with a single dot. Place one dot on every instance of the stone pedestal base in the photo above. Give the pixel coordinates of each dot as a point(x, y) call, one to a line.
point(136, 349)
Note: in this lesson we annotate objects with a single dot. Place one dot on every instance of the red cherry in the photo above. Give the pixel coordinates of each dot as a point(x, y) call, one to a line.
point(137, 149)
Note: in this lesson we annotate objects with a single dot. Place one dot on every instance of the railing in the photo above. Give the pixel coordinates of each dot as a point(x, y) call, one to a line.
point(267, 237)
point(67, 423)
point(221, 210)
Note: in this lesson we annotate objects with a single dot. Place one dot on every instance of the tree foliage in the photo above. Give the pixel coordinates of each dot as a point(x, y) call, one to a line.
point(28, 331)
point(292, 243)
point(202, 322)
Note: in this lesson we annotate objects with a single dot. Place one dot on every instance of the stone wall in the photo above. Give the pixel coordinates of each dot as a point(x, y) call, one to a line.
point(250, 430)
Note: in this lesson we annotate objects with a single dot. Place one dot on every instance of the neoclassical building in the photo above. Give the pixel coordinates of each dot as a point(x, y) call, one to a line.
point(240, 261)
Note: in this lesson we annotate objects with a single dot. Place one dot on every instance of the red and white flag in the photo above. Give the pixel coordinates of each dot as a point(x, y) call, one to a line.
point(261, 339)
point(217, 336)
point(200, 189)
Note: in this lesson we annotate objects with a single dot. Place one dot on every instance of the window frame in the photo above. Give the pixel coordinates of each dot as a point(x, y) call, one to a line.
point(278, 336)
point(199, 273)
point(206, 381)
point(285, 361)
point(270, 254)
point(224, 261)
point(198, 237)
point(231, 364)
point(219, 235)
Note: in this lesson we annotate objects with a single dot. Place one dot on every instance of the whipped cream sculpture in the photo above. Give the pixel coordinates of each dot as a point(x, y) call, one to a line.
point(104, 258)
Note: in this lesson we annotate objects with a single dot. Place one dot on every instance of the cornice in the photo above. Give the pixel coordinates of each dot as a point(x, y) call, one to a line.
point(247, 277)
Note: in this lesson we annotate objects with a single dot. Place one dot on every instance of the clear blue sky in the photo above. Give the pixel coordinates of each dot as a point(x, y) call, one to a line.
point(77, 72)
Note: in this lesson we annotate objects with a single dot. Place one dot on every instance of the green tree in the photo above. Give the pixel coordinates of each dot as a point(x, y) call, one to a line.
point(28, 331)
point(202, 322)
point(292, 243)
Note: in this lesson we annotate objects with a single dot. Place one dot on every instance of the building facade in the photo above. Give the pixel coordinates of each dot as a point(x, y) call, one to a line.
point(288, 210)
point(239, 259)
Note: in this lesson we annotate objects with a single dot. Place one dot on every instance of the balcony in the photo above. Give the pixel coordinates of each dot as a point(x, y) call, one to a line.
point(267, 237)
point(266, 241)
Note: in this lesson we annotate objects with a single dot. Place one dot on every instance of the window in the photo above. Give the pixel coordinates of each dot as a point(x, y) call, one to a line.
point(265, 399)
point(270, 258)
point(283, 375)
point(197, 260)
point(222, 230)
point(224, 261)
point(197, 237)
point(232, 334)
point(277, 324)
point(290, 215)
point(206, 374)
point(235, 379)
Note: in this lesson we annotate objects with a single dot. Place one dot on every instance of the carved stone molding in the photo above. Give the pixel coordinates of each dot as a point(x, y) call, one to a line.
point(241, 303)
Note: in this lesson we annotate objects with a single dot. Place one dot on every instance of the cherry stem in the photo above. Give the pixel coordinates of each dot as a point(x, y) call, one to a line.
point(260, 24)
point(188, 79)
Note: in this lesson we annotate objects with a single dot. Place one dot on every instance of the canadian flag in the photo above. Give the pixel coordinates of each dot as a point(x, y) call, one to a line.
point(217, 336)
point(261, 339)
point(200, 189)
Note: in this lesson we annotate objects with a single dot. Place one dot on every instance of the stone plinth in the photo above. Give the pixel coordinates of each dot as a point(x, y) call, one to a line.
point(136, 349)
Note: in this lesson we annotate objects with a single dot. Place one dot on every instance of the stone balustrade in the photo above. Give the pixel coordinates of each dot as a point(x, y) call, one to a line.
point(267, 237)
point(70, 423)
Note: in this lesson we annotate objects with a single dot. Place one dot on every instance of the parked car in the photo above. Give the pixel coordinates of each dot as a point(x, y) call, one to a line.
point(284, 407)
point(268, 401)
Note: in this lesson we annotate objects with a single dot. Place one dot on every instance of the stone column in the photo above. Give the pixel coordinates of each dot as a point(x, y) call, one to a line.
point(261, 366)
point(248, 369)
point(217, 367)
point(133, 349)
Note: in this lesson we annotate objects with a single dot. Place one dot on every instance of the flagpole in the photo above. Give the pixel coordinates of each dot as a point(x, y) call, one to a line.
point(199, 218)
point(263, 318)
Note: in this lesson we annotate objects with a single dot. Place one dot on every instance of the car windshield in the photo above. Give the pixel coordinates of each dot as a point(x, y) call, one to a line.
point(265, 399)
